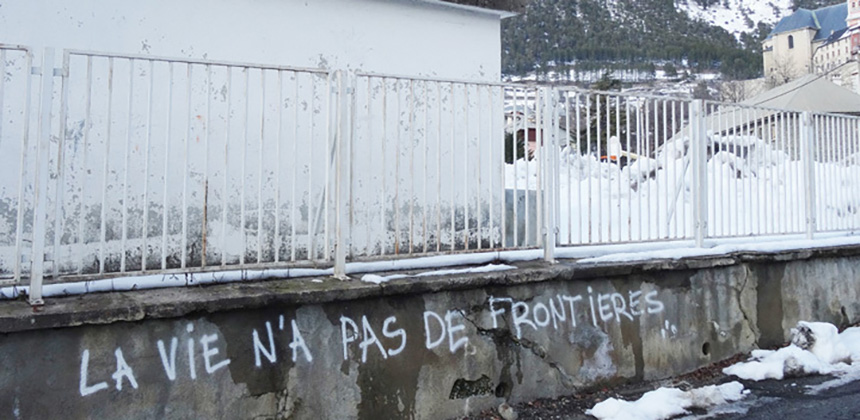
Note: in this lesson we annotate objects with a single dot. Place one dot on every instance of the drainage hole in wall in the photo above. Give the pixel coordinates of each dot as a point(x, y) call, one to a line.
point(502, 390)
point(706, 349)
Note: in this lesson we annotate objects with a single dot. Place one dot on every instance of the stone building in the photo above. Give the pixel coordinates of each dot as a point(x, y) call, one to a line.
point(822, 41)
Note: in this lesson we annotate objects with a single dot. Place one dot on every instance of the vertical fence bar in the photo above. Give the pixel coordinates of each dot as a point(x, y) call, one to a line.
point(144, 230)
point(261, 165)
point(224, 194)
point(597, 140)
point(540, 166)
point(165, 210)
point(186, 169)
point(280, 139)
point(567, 153)
point(295, 141)
point(526, 156)
point(629, 171)
point(324, 210)
point(352, 85)
point(58, 197)
point(465, 166)
point(699, 146)
point(382, 168)
point(438, 167)
point(128, 130)
point(25, 145)
point(500, 160)
point(550, 164)
point(426, 145)
point(342, 105)
point(453, 165)
point(411, 129)
point(206, 129)
point(41, 178)
point(106, 165)
point(478, 165)
point(245, 129)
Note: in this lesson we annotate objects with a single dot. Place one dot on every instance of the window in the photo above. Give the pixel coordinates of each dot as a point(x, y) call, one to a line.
point(791, 41)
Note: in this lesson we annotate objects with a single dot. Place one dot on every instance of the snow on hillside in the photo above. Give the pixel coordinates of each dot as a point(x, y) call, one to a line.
point(740, 15)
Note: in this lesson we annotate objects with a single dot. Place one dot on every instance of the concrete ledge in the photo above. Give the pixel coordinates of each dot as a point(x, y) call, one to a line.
point(107, 308)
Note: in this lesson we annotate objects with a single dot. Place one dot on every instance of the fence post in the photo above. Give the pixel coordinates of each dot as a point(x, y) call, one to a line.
point(40, 177)
point(550, 165)
point(344, 98)
point(699, 149)
point(807, 134)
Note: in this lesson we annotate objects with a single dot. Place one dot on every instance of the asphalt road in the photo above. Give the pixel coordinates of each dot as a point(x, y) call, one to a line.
point(790, 399)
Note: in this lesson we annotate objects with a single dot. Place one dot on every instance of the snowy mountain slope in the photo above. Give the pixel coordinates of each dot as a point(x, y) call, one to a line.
point(737, 16)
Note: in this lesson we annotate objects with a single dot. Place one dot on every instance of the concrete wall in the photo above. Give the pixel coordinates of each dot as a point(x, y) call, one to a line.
point(401, 37)
point(430, 348)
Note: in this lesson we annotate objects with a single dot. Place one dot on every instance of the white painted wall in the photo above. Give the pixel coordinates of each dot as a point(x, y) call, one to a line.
point(405, 37)
point(148, 144)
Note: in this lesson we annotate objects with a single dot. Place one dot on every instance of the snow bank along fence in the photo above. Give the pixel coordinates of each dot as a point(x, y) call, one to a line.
point(121, 164)
point(635, 168)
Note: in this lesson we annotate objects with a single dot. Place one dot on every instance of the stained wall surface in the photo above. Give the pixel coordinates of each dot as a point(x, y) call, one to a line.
point(429, 348)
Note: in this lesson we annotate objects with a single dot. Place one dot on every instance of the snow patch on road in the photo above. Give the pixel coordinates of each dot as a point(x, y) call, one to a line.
point(664, 403)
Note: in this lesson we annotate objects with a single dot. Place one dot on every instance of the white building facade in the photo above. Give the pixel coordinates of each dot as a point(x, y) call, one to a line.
point(427, 38)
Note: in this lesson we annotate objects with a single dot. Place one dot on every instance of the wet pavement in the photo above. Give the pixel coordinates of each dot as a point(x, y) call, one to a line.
point(788, 399)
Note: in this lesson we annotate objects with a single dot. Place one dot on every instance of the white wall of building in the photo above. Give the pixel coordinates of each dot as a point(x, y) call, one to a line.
point(784, 62)
point(402, 37)
point(151, 146)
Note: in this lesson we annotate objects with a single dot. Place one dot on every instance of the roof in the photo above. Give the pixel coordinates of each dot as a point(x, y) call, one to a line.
point(836, 36)
point(813, 93)
point(504, 5)
point(501, 8)
point(825, 21)
point(809, 93)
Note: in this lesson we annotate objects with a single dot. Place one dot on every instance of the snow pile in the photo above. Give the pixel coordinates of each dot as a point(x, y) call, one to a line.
point(665, 403)
point(822, 340)
point(754, 187)
point(377, 279)
point(816, 348)
point(851, 339)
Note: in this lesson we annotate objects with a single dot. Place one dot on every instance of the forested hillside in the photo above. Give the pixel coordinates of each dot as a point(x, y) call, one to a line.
point(586, 35)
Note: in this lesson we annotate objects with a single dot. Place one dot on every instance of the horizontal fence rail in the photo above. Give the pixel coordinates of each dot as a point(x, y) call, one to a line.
point(120, 164)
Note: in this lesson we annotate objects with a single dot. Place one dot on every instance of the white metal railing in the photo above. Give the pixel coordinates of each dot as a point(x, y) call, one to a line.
point(190, 163)
point(635, 168)
point(151, 164)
